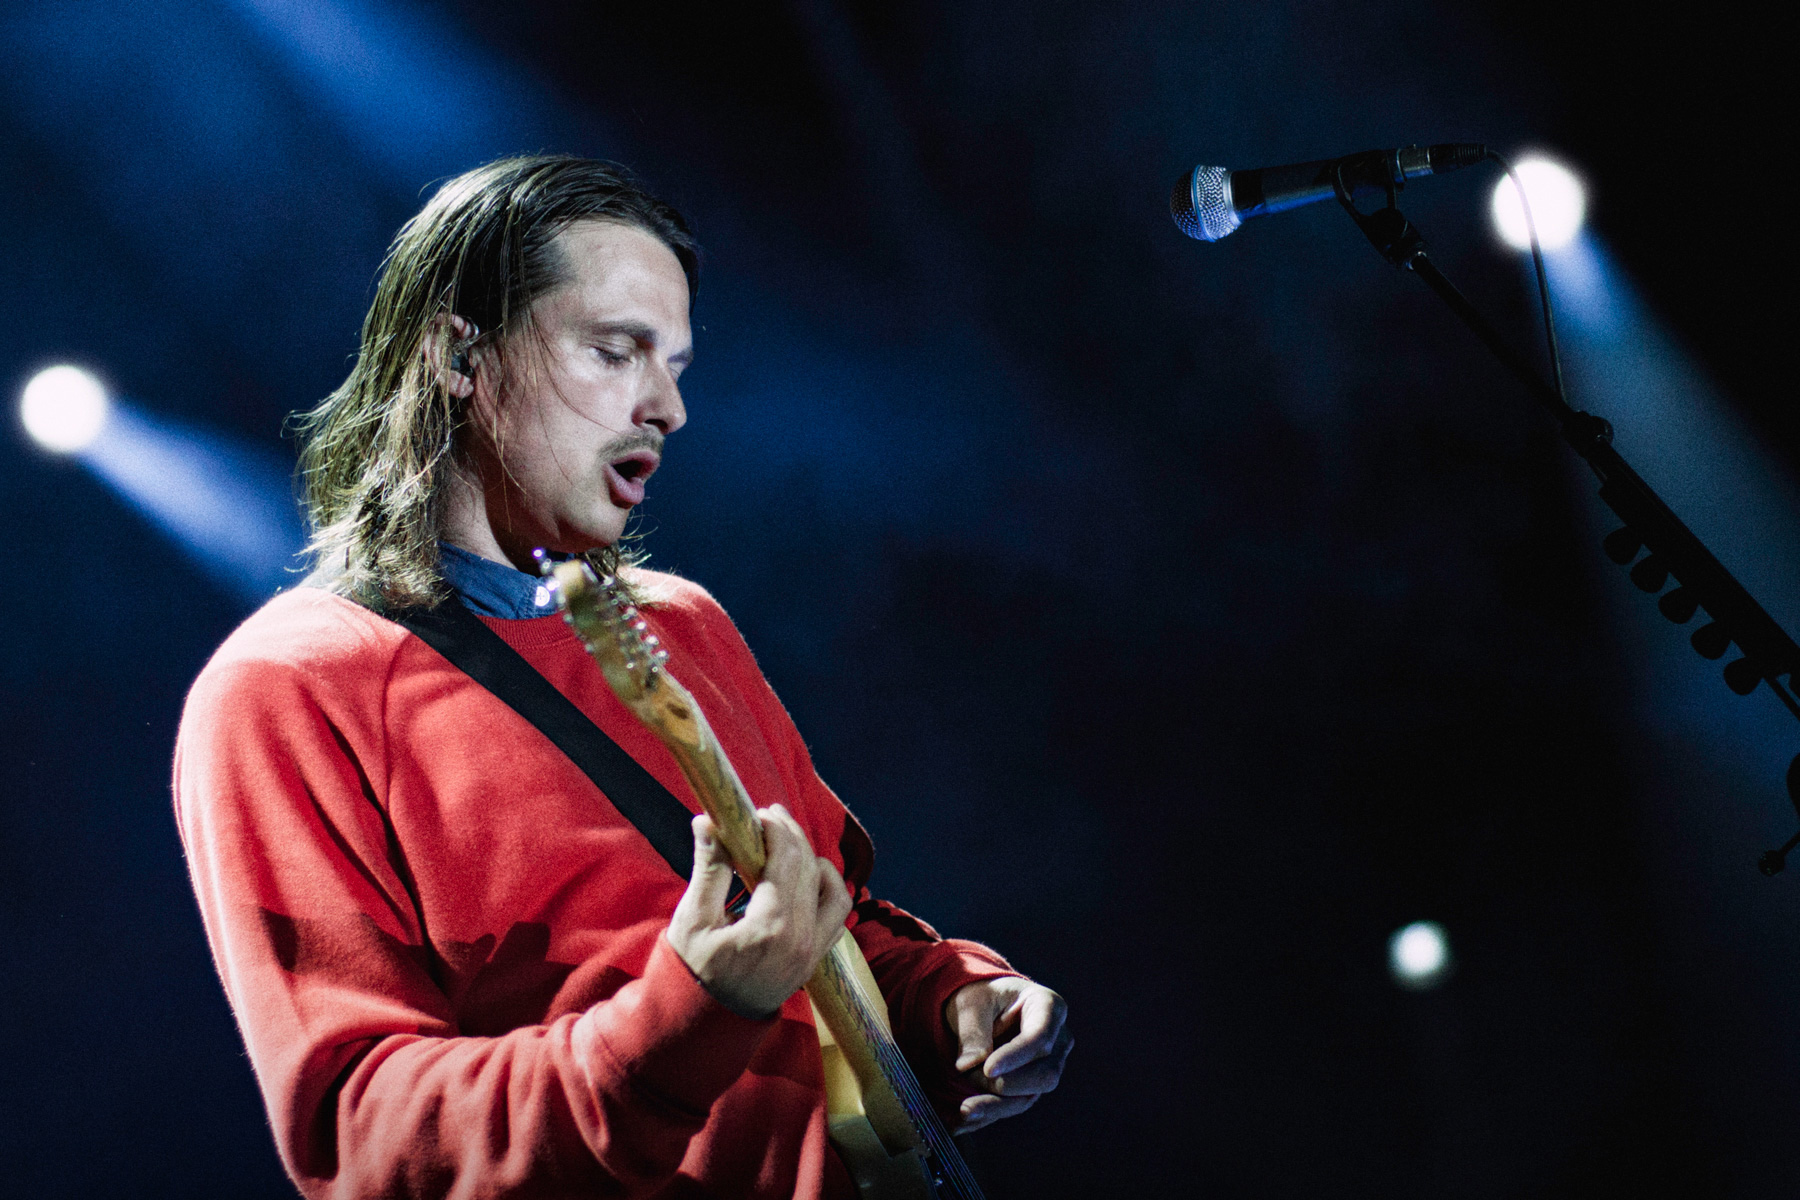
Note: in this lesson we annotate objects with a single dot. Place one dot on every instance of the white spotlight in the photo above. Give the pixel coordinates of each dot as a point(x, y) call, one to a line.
point(64, 408)
point(1558, 204)
point(1419, 955)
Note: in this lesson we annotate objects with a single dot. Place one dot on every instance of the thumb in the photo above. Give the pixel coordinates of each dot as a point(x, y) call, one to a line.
point(974, 1029)
point(710, 885)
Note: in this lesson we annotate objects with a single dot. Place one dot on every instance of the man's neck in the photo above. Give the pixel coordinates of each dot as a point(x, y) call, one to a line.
point(465, 524)
point(465, 520)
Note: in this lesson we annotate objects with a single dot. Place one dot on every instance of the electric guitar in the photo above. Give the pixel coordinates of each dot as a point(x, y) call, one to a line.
point(880, 1121)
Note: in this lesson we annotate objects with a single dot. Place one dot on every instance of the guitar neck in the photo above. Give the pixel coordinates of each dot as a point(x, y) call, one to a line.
point(672, 714)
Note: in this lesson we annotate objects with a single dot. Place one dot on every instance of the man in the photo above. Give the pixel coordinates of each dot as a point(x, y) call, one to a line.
point(458, 969)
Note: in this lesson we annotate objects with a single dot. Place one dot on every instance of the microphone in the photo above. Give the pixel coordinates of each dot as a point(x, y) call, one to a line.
point(1212, 201)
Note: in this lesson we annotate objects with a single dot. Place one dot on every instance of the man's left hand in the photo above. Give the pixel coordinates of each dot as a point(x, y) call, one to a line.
point(1014, 1038)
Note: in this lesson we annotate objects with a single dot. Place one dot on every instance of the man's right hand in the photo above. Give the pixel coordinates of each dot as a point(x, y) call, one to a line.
point(753, 963)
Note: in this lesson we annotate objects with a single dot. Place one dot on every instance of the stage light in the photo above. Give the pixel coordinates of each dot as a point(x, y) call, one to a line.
point(228, 504)
point(1558, 204)
point(1419, 955)
point(64, 408)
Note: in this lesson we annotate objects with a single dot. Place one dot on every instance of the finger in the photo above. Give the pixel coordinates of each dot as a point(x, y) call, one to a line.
point(977, 1111)
point(785, 856)
point(789, 853)
point(974, 1012)
point(1041, 1013)
point(703, 904)
point(1039, 1076)
point(799, 867)
point(833, 903)
point(834, 891)
point(778, 853)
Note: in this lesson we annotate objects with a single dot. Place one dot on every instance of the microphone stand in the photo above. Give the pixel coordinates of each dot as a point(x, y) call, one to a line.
point(1672, 549)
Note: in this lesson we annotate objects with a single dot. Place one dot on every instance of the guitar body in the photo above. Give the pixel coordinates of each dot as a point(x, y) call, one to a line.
point(881, 1123)
point(879, 1176)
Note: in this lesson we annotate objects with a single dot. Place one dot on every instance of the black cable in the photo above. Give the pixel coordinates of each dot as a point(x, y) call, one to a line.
point(1543, 277)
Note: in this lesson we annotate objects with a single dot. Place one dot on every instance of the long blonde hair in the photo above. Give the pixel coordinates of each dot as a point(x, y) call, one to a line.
point(374, 455)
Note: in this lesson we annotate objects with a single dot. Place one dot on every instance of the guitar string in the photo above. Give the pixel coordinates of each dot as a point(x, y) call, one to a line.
point(880, 1041)
point(935, 1135)
point(900, 1075)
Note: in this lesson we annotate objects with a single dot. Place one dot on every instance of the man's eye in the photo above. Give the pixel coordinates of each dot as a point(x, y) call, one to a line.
point(614, 357)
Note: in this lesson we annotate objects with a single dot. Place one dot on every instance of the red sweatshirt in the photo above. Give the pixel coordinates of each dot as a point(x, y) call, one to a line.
point(445, 947)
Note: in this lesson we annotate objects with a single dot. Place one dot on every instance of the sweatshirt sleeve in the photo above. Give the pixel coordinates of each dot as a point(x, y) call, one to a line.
point(369, 1086)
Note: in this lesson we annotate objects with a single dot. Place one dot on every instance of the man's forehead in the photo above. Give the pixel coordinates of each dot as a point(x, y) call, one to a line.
point(596, 250)
point(615, 267)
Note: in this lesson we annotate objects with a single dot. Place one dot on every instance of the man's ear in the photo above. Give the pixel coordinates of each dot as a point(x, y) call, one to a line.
point(451, 351)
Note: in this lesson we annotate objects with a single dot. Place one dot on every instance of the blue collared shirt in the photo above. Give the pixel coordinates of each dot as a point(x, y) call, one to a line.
point(491, 589)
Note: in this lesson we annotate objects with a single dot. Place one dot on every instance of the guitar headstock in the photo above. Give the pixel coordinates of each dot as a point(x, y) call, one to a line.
point(612, 629)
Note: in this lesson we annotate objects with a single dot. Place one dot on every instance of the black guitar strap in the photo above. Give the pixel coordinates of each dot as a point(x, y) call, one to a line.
point(460, 636)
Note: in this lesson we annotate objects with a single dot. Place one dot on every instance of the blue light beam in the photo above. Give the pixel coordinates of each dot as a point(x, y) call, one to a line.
point(229, 506)
point(423, 101)
point(1691, 444)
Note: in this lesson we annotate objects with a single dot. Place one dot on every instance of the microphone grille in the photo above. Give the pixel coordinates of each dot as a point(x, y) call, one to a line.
point(1201, 204)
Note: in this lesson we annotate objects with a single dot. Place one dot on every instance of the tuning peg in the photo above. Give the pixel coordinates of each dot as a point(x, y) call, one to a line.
point(1711, 640)
point(1621, 545)
point(1742, 676)
point(1650, 574)
point(1678, 604)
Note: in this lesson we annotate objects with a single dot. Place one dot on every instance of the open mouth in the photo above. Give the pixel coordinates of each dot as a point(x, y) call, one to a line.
point(633, 468)
point(625, 477)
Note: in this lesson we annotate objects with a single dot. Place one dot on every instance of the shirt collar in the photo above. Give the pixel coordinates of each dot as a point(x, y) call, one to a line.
point(491, 589)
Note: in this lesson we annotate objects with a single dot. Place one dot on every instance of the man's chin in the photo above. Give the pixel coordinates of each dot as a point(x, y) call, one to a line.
point(566, 544)
point(597, 534)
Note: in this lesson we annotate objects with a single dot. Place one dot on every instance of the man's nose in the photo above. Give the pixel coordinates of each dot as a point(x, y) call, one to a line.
point(661, 404)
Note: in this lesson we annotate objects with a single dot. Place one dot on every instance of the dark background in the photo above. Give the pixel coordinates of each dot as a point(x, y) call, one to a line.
point(1181, 619)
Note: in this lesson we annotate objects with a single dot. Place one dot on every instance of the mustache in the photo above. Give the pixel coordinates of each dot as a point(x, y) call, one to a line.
point(641, 439)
